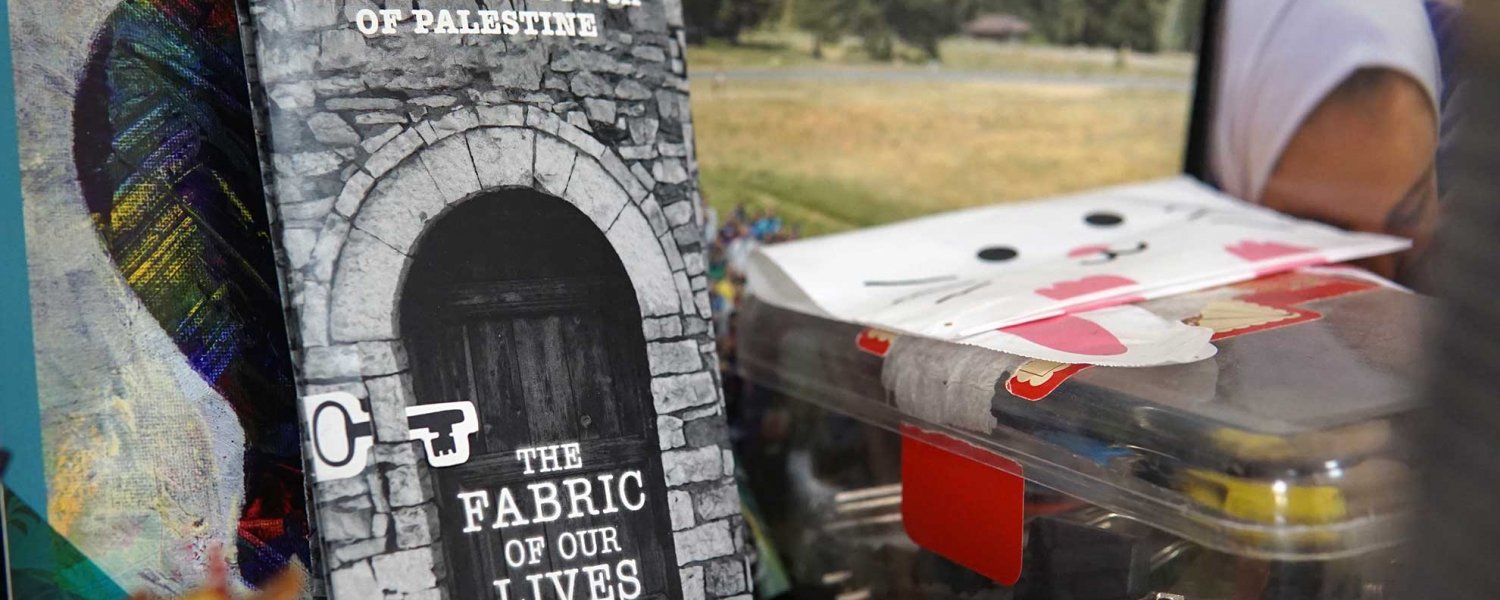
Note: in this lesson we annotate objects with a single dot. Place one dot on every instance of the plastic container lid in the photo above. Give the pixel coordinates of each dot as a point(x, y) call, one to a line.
point(1290, 444)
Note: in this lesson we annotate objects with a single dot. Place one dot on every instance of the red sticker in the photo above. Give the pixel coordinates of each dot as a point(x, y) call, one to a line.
point(1299, 288)
point(1036, 378)
point(964, 503)
point(1273, 303)
point(874, 341)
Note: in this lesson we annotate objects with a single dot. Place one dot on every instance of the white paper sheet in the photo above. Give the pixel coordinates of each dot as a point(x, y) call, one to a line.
point(968, 275)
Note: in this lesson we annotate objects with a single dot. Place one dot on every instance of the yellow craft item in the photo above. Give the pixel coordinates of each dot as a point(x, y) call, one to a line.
point(1273, 502)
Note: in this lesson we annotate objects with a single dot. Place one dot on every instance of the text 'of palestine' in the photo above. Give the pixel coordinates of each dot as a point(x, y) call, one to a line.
point(485, 22)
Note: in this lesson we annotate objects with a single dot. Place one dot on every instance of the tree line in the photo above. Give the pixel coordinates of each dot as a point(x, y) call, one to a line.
point(1140, 25)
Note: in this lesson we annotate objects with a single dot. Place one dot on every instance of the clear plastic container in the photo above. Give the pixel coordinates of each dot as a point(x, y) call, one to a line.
point(1276, 469)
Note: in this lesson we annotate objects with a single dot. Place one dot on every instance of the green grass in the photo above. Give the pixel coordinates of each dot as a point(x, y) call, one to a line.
point(818, 205)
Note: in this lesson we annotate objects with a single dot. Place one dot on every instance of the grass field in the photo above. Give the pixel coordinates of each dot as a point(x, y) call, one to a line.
point(835, 155)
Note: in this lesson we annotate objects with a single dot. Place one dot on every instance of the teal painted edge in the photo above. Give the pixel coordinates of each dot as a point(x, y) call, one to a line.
point(44, 564)
point(21, 427)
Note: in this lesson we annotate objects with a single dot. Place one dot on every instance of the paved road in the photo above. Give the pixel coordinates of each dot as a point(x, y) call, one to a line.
point(917, 75)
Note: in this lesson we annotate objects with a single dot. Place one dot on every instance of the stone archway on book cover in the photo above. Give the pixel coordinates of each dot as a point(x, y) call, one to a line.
point(484, 166)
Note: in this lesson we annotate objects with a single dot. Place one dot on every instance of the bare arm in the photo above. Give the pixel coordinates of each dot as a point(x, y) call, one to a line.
point(1363, 160)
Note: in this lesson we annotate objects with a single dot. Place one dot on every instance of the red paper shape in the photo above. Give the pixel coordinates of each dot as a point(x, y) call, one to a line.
point(874, 341)
point(1033, 387)
point(964, 503)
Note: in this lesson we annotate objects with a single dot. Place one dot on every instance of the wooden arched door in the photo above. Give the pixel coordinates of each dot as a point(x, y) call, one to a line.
point(517, 302)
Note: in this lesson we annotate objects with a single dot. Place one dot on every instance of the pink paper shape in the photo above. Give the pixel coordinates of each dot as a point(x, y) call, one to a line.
point(1088, 250)
point(1253, 251)
point(1069, 334)
point(1064, 290)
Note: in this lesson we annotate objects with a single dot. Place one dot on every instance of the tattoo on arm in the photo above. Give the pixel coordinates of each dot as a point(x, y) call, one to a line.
point(1410, 218)
point(1406, 217)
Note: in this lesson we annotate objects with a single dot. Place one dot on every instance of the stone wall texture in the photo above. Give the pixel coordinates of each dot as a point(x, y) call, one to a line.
point(374, 137)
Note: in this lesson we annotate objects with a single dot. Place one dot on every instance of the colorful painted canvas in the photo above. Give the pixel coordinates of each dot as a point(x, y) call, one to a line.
point(164, 399)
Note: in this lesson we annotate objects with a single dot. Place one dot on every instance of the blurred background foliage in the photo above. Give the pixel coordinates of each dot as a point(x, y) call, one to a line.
point(883, 26)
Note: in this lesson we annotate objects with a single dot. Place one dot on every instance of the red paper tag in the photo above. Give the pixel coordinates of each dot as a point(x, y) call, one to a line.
point(964, 503)
point(1034, 379)
point(874, 341)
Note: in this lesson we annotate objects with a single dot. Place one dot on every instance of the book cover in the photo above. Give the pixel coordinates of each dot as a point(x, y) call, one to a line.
point(491, 239)
point(161, 433)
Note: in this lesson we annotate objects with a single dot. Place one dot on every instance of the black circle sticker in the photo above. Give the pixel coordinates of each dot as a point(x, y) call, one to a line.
point(997, 253)
point(1103, 219)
